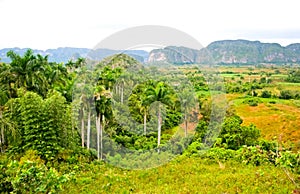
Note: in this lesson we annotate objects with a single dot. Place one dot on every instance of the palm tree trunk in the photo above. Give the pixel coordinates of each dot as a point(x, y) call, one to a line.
point(101, 136)
point(159, 127)
point(82, 129)
point(122, 94)
point(145, 123)
point(2, 135)
point(1, 150)
point(98, 135)
point(185, 121)
point(118, 90)
point(1, 144)
point(88, 130)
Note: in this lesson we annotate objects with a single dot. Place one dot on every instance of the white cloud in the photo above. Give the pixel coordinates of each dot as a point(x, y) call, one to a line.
point(83, 23)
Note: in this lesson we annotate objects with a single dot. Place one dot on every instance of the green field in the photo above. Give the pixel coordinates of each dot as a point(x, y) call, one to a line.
point(188, 175)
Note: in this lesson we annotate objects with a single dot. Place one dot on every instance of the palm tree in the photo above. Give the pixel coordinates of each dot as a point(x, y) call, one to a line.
point(57, 75)
point(29, 71)
point(187, 102)
point(80, 62)
point(141, 104)
point(88, 132)
point(121, 88)
point(102, 101)
point(161, 94)
point(70, 65)
point(7, 79)
point(85, 90)
point(88, 94)
point(144, 105)
point(82, 112)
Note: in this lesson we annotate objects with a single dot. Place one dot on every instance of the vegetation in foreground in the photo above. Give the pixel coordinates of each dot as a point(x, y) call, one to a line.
point(60, 122)
point(184, 175)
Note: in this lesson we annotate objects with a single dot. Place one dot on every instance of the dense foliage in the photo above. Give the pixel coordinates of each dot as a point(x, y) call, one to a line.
point(58, 120)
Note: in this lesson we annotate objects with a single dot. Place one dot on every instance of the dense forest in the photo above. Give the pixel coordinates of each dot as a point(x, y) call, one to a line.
point(119, 126)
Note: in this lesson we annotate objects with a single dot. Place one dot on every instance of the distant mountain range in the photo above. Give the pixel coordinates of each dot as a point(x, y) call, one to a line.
point(219, 52)
point(63, 55)
point(230, 52)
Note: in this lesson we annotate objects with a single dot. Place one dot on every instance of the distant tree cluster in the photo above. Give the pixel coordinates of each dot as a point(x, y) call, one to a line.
point(294, 76)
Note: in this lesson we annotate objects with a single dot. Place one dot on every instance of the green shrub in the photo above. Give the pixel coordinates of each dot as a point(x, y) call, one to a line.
point(254, 155)
point(266, 94)
point(220, 154)
point(289, 160)
point(234, 135)
point(5, 184)
point(252, 101)
point(33, 177)
point(194, 149)
point(29, 175)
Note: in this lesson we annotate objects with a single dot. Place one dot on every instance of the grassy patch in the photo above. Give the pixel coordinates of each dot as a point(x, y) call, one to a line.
point(189, 175)
point(274, 120)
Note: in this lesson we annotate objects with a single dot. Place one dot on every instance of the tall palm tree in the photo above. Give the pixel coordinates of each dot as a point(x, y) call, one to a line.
point(159, 93)
point(103, 109)
point(144, 106)
point(87, 99)
point(141, 105)
point(188, 101)
point(88, 130)
point(82, 112)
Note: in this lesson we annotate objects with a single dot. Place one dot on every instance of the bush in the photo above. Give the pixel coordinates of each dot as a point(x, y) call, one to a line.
point(29, 175)
point(252, 102)
point(289, 160)
point(33, 177)
point(220, 154)
point(266, 94)
point(5, 184)
point(253, 155)
point(233, 135)
point(286, 94)
point(194, 149)
point(294, 76)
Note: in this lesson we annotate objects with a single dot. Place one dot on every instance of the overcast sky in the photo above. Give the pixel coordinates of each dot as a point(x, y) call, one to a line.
point(43, 24)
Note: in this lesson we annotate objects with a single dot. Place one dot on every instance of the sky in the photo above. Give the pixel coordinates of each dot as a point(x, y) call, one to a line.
point(44, 24)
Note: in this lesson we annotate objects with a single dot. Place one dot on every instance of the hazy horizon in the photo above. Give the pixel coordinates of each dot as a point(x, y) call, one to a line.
point(145, 49)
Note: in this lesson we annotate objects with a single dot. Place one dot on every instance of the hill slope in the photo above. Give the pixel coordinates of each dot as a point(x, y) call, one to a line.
point(219, 52)
point(230, 52)
point(63, 55)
